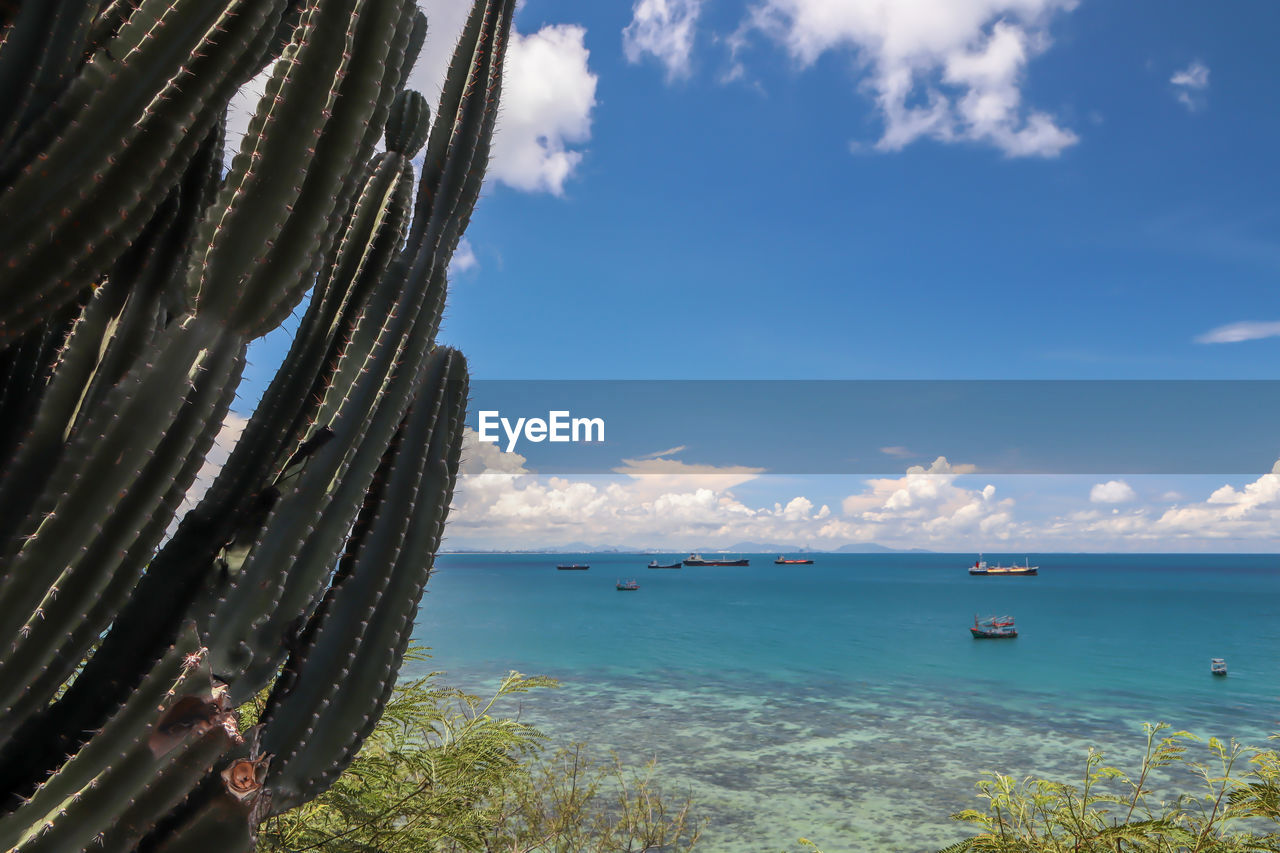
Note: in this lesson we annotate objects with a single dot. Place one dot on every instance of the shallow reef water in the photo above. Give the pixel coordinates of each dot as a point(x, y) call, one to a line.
point(785, 709)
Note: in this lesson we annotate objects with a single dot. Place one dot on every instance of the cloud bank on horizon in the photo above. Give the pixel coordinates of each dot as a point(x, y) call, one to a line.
point(668, 503)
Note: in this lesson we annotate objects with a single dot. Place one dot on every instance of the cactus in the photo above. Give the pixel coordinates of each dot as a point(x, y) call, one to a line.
point(135, 270)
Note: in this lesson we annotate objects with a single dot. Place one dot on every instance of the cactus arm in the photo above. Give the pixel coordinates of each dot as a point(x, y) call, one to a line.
point(176, 575)
point(160, 262)
point(107, 606)
point(417, 38)
point(134, 153)
point(78, 822)
point(350, 458)
point(451, 97)
point(166, 789)
point(350, 407)
point(306, 235)
point(46, 40)
point(179, 672)
point(265, 178)
point(46, 437)
point(113, 16)
point(373, 235)
point(88, 574)
point(317, 725)
point(222, 825)
point(455, 178)
point(101, 461)
point(308, 525)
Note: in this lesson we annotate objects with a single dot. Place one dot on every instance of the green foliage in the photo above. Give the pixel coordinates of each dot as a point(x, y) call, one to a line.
point(570, 802)
point(1230, 806)
point(442, 772)
point(135, 270)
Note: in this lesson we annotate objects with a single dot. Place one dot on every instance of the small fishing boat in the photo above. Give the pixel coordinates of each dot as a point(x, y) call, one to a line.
point(654, 564)
point(980, 567)
point(993, 628)
point(573, 567)
point(698, 560)
point(783, 561)
point(628, 586)
point(1218, 666)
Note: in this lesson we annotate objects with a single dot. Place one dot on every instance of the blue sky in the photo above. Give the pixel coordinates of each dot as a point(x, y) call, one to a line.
point(872, 189)
point(752, 229)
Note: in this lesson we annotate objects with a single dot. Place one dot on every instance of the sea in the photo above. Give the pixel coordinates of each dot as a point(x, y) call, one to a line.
point(846, 701)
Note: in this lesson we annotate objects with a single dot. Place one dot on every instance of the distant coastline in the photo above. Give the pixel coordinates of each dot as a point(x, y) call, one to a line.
point(737, 548)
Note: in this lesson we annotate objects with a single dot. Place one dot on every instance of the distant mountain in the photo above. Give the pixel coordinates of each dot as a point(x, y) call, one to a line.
point(873, 548)
point(757, 548)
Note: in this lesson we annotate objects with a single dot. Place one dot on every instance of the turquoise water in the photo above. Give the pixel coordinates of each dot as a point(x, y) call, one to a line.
point(845, 701)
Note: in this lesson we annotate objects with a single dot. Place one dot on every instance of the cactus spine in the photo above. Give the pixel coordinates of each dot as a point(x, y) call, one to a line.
point(134, 274)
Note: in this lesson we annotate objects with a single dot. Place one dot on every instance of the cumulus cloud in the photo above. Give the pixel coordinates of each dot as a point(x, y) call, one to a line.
point(548, 94)
point(1112, 492)
point(1234, 333)
point(948, 70)
point(669, 503)
point(660, 501)
point(650, 500)
point(1191, 85)
point(1249, 513)
point(663, 29)
point(927, 506)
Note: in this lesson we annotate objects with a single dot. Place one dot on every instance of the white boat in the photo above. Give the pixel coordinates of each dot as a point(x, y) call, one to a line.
point(1218, 666)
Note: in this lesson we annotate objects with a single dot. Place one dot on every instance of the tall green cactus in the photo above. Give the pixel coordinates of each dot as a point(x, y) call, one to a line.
point(135, 269)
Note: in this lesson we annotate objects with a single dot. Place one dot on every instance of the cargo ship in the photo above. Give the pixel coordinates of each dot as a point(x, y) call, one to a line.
point(980, 567)
point(783, 561)
point(697, 560)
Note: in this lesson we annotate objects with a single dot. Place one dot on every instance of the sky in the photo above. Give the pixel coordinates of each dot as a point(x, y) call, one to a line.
point(871, 189)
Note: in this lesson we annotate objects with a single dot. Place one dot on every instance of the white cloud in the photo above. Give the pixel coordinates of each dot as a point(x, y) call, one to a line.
point(927, 507)
point(1191, 85)
point(651, 500)
point(897, 451)
point(548, 93)
point(668, 503)
point(663, 29)
point(671, 503)
point(670, 451)
point(1250, 513)
point(547, 97)
point(949, 70)
point(1112, 492)
point(464, 258)
point(1234, 333)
